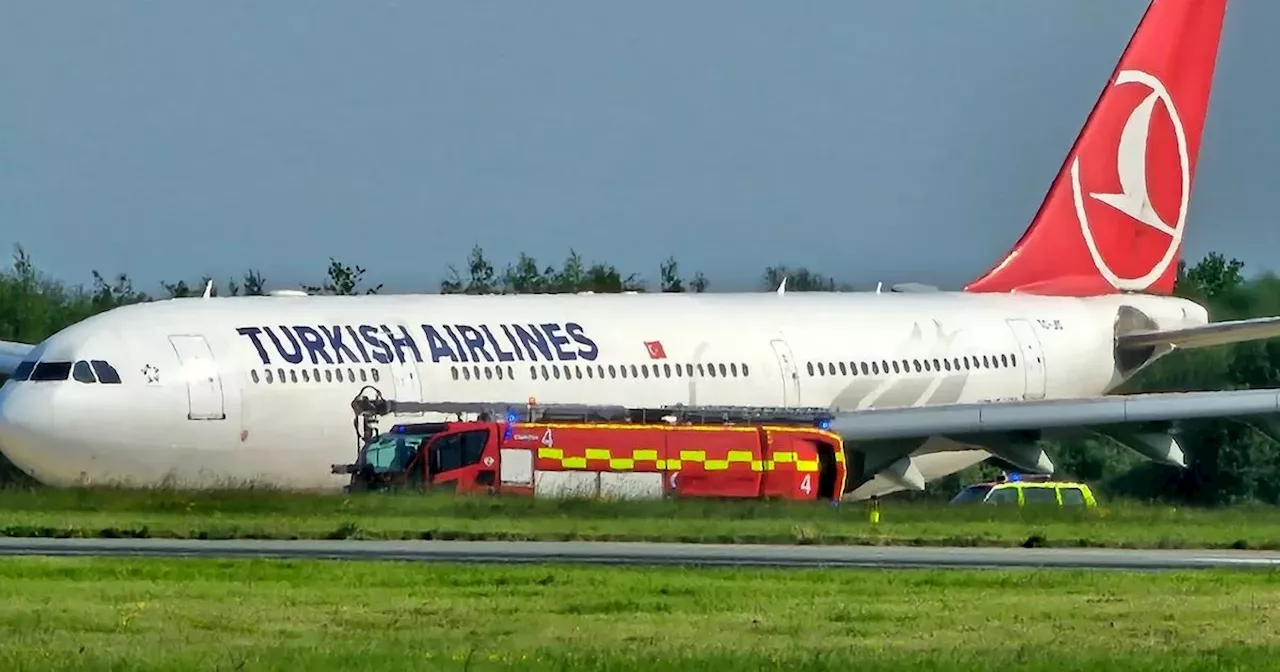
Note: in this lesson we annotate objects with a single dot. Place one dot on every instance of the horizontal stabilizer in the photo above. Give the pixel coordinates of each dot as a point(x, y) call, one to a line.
point(1209, 335)
point(11, 355)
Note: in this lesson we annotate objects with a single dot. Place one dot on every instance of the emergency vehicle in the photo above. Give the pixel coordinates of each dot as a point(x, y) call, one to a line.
point(602, 451)
point(1028, 490)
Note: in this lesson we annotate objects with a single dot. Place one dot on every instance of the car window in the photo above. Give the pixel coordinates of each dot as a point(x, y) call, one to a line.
point(1072, 497)
point(1003, 496)
point(1039, 495)
point(971, 494)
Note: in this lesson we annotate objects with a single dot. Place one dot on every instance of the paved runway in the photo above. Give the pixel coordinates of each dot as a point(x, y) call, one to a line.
point(651, 554)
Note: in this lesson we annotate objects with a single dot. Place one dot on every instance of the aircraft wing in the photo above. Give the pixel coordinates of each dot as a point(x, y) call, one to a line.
point(11, 354)
point(1214, 333)
point(985, 418)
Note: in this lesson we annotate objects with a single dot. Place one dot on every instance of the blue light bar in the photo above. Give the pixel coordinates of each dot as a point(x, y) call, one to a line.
point(399, 429)
point(512, 416)
point(1015, 477)
point(824, 423)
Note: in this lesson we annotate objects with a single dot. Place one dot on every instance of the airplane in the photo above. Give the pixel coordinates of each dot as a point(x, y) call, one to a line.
point(218, 391)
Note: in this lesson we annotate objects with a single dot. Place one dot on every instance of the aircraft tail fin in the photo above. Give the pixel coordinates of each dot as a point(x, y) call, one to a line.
point(1114, 217)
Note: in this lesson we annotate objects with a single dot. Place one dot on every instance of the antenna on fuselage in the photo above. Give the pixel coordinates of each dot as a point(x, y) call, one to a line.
point(782, 286)
point(878, 286)
point(208, 289)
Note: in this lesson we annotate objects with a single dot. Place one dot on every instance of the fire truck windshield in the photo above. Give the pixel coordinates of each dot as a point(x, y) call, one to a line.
point(392, 452)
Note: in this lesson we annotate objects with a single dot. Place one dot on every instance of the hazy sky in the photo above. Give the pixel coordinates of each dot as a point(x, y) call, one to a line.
point(909, 140)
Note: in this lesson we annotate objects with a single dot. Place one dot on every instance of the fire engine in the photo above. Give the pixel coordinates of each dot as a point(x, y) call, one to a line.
point(567, 450)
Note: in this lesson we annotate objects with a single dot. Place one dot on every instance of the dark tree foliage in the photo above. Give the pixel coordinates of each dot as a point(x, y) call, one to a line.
point(1232, 460)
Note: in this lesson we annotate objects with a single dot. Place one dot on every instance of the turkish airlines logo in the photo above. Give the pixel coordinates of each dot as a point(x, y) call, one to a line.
point(1134, 199)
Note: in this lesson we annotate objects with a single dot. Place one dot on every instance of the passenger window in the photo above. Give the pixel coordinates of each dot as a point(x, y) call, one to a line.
point(488, 373)
point(808, 365)
point(466, 373)
point(724, 370)
point(1013, 359)
point(306, 375)
point(711, 370)
point(634, 374)
point(591, 373)
point(293, 375)
point(1004, 360)
point(1072, 497)
point(253, 374)
point(499, 372)
point(46, 371)
point(645, 371)
point(864, 368)
point(555, 371)
point(473, 443)
point(545, 374)
point(745, 373)
point(454, 371)
point(895, 366)
point(458, 450)
point(612, 372)
point(733, 369)
point(446, 454)
point(375, 375)
point(916, 362)
point(268, 372)
point(688, 370)
point(82, 373)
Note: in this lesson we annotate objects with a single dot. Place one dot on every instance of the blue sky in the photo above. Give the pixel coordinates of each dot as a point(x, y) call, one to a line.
point(899, 141)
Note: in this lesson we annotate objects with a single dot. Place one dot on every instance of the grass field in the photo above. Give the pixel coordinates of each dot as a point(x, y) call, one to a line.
point(280, 515)
point(312, 615)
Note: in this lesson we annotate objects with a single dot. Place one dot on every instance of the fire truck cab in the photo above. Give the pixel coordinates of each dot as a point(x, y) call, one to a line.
point(646, 459)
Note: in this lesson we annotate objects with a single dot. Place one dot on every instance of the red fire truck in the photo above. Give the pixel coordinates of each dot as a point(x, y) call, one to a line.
point(609, 452)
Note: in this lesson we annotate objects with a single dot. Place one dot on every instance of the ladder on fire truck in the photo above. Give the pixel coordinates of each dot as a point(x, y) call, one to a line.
point(370, 404)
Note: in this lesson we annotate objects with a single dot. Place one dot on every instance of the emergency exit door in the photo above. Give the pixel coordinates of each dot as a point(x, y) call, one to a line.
point(1032, 357)
point(790, 374)
point(204, 383)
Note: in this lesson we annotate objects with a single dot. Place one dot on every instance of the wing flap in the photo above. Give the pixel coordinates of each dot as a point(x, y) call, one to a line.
point(11, 354)
point(1209, 335)
point(960, 419)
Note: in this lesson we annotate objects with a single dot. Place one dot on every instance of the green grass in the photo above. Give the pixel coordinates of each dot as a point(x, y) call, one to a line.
point(267, 514)
point(311, 615)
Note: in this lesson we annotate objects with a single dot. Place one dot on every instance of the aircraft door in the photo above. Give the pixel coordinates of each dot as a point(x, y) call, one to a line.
point(204, 383)
point(1032, 358)
point(404, 377)
point(790, 374)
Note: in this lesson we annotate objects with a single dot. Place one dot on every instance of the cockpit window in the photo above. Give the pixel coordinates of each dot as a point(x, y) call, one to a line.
point(23, 372)
point(106, 373)
point(82, 372)
point(46, 371)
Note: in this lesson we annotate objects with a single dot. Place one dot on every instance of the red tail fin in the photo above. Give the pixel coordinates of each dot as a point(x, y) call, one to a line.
point(1115, 216)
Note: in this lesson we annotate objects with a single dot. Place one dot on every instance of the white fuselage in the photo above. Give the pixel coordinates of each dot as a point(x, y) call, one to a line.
point(278, 411)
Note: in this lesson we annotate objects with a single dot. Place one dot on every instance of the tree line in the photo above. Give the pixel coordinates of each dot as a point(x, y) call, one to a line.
point(1230, 460)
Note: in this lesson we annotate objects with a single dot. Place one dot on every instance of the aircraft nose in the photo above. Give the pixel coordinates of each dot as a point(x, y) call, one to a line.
point(24, 420)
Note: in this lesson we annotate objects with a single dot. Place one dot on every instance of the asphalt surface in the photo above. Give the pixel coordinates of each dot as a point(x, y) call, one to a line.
point(650, 554)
